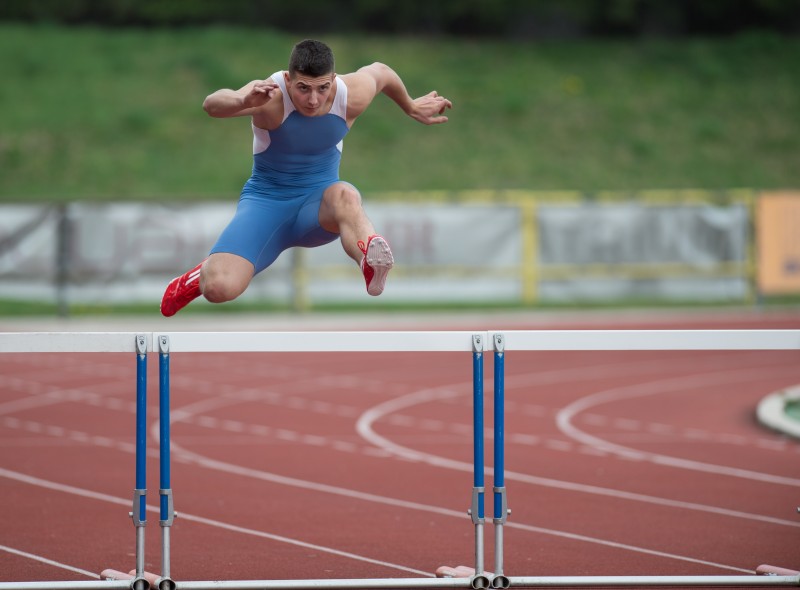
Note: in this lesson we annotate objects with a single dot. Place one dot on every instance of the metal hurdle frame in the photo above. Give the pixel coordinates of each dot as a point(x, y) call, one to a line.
point(498, 342)
point(169, 343)
point(663, 340)
point(93, 342)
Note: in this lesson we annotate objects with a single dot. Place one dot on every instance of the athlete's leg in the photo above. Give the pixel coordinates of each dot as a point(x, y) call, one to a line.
point(249, 244)
point(220, 277)
point(341, 212)
point(225, 276)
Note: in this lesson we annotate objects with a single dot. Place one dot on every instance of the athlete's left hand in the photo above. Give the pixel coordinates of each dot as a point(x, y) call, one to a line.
point(429, 109)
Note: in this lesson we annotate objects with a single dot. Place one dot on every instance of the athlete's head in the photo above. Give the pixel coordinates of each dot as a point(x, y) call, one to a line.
point(309, 80)
point(311, 58)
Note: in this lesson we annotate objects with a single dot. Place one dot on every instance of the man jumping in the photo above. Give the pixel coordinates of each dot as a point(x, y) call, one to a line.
point(294, 196)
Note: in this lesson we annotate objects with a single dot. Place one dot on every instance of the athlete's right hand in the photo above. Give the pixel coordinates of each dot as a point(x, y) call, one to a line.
point(260, 93)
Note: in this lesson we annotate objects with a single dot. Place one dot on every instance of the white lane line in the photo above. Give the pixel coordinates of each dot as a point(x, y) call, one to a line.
point(58, 487)
point(561, 533)
point(41, 559)
point(565, 421)
point(365, 428)
point(445, 392)
point(329, 489)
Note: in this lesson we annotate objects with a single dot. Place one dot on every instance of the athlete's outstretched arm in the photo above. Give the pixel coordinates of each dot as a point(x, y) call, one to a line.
point(242, 102)
point(379, 78)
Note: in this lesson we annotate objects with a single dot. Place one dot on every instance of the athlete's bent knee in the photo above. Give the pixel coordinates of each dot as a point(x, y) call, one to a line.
point(345, 196)
point(219, 292)
point(221, 287)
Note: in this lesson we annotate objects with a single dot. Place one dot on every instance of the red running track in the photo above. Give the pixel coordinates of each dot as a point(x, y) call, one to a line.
point(359, 465)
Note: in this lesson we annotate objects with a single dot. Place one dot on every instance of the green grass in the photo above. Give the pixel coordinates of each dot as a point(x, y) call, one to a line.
point(96, 114)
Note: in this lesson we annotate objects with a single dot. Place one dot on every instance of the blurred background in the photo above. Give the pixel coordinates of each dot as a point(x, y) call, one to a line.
point(600, 153)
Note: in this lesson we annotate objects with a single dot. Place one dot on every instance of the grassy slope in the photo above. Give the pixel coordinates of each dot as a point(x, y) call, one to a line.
point(116, 114)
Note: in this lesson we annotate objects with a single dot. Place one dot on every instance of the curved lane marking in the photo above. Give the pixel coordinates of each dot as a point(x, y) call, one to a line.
point(565, 417)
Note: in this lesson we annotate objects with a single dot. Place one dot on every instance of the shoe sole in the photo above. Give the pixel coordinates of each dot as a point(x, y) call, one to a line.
point(379, 257)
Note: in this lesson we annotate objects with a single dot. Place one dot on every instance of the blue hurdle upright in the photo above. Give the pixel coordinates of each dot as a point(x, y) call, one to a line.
point(167, 510)
point(139, 512)
point(501, 510)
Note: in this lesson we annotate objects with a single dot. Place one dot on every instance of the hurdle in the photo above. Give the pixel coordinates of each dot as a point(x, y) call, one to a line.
point(499, 343)
point(100, 342)
point(476, 343)
point(330, 342)
point(653, 340)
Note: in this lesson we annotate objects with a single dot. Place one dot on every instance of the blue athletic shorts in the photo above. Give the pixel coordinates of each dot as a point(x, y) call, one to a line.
point(263, 227)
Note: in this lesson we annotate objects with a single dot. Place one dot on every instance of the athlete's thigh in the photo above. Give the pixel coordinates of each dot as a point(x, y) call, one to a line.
point(258, 230)
point(307, 230)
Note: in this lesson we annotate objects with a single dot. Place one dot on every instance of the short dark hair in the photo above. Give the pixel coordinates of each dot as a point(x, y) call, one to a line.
point(311, 58)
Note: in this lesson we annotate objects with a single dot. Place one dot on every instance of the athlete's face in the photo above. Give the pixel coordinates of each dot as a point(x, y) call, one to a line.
point(309, 94)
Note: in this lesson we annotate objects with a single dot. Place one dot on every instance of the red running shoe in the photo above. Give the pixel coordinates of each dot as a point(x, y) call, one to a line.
point(376, 264)
point(181, 291)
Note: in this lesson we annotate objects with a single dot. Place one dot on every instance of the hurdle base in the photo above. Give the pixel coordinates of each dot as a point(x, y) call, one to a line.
point(481, 581)
point(114, 575)
point(772, 570)
point(459, 571)
point(148, 581)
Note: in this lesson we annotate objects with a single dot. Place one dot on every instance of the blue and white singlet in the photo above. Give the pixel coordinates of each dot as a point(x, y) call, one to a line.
point(292, 166)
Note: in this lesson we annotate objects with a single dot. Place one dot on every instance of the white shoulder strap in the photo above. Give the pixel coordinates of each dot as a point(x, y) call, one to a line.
point(288, 107)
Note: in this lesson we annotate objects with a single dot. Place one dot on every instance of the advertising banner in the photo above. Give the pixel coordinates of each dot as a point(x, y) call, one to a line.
point(778, 243)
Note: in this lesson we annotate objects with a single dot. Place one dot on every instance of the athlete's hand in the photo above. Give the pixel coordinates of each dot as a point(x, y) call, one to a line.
point(260, 94)
point(429, 109)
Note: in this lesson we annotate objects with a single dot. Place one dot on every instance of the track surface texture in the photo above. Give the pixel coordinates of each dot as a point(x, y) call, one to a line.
point(343, 465)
